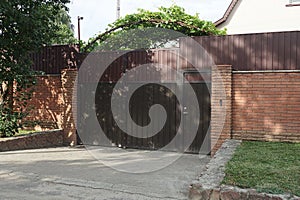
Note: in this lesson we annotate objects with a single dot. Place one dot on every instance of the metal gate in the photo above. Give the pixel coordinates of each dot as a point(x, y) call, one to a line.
point(139, 105)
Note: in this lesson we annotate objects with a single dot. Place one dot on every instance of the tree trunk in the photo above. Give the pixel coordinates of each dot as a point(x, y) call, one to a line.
point(3, 93)
point(10, 97)
point(6, 94)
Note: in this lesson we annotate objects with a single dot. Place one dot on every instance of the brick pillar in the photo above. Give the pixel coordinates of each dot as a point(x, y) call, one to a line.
point(68, 77)
point(220, 106)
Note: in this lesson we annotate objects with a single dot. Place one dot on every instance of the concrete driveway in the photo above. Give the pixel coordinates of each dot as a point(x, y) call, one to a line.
point(72, 173)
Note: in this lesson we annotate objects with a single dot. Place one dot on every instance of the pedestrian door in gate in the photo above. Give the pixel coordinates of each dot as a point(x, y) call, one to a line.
point(201, 84)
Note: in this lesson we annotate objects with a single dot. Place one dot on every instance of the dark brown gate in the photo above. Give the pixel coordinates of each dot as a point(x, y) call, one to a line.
point(141, 102)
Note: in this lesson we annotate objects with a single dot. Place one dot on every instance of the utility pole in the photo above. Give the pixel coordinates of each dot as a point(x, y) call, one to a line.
point(118, 9)
point(79, 18)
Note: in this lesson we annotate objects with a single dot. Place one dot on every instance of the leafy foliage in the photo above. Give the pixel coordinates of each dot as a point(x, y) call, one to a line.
point(9, 122)
point(64, 34)
point(174, 18)
point(25, 26)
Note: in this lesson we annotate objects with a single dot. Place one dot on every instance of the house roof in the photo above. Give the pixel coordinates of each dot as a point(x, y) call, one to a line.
point(227, 13)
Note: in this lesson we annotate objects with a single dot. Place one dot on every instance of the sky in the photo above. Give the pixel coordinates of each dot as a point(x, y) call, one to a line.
point(97, 14)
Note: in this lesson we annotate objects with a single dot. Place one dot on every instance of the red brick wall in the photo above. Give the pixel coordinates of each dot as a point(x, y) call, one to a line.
point(51, 104)
point(46, 103)
point(266, 106)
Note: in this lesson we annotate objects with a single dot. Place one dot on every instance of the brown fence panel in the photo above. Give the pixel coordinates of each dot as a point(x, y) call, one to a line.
point(261, 51)
point(52, 59)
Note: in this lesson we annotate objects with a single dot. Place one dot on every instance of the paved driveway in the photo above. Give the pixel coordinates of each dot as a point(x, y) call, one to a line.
point(72, 173)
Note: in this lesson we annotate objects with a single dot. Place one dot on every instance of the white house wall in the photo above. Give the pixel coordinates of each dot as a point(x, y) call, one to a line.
point(256, 16)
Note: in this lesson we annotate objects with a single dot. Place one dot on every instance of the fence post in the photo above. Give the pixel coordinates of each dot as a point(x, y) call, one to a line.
point(68, 80)
point(220, 108)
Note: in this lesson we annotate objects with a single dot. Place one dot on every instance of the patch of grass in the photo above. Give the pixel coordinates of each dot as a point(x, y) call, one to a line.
point(269, 167)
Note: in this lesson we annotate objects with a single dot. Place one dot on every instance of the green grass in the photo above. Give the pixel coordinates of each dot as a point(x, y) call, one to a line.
point(266, 166)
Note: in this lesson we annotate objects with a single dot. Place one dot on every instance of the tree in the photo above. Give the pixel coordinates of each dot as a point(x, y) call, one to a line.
point(25, 26)
point(65, 32)
point(174, 18)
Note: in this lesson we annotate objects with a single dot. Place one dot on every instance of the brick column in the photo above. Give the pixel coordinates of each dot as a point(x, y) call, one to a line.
point(68, 77)
point(221, 94)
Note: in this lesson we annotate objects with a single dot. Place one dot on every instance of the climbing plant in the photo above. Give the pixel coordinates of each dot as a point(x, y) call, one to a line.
point(173, 18)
